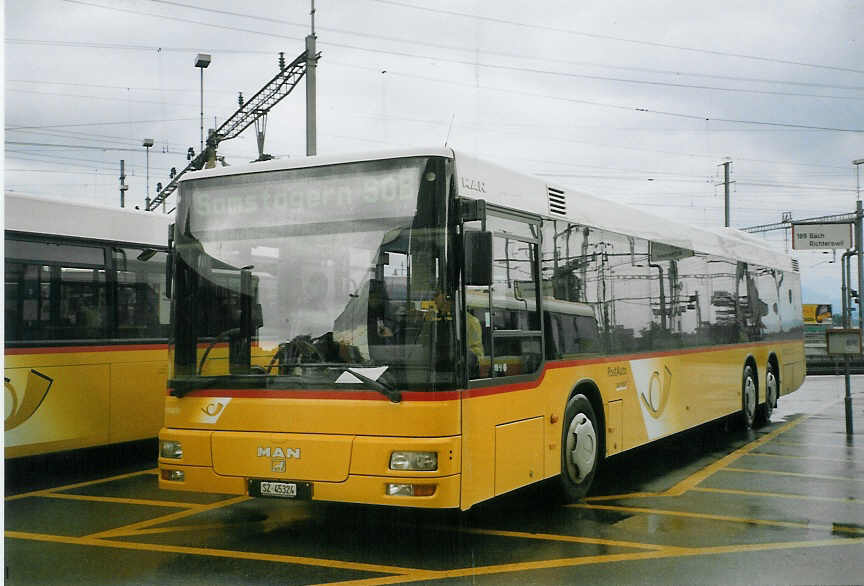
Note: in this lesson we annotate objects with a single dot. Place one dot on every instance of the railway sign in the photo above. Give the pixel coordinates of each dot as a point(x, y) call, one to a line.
point(822, 236)
point(843, 341)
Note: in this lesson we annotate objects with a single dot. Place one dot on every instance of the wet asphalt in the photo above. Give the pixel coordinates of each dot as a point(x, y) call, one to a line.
point(782, 504)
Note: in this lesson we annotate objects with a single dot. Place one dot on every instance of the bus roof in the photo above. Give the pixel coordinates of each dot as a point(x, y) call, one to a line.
point(55, 217)
point(496, 184)
point(478, 179)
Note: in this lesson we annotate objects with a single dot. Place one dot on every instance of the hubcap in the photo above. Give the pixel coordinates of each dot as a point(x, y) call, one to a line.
point(770, 391)
point(581, 447)
point(749, 398)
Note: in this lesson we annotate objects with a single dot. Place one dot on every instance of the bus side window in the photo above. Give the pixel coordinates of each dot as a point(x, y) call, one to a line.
point(569, 335)
point(143, 310)
point(59, 293)
point(586, 327)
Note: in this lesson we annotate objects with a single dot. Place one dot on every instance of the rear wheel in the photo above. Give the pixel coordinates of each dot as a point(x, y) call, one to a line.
point(772, 391)
point(580, 448)
point(749, 397)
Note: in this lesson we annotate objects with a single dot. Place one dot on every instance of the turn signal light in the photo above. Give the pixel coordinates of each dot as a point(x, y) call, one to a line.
point(394, 489)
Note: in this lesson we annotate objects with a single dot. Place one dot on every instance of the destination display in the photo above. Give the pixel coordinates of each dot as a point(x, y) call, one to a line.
point(337, 193)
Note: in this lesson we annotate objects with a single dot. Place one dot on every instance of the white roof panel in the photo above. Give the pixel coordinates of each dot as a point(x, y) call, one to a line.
point(63, 218)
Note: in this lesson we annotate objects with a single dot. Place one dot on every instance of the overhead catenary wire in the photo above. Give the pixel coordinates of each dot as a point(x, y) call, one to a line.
point(471, 63)
point(646, 150)
point(227, 50)
point(619, 39)
point(110, 123)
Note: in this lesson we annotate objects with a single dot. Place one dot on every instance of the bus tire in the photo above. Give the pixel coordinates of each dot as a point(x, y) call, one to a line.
point(772, 391)
point(749, 397)
point(580, 448)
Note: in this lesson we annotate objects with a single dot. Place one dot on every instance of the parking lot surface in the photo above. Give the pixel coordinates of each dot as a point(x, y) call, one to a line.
point(783, 504)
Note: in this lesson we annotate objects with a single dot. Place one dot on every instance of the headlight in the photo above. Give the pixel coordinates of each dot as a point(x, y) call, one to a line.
point(414, 461)
point(170, 449)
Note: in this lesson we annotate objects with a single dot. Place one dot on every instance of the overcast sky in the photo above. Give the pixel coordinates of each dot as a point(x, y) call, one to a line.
point(635, 101)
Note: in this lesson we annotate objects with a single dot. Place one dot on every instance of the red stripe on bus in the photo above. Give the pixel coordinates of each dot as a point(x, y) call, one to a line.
point(70, 349)
point(467, 393)
point(327, 395)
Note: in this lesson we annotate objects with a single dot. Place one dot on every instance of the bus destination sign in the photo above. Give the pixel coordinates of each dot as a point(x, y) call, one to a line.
point(821, 236)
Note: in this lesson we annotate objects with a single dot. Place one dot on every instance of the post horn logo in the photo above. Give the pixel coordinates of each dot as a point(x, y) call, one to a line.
point(213, 409)
point(658, 392)
point(35, 392)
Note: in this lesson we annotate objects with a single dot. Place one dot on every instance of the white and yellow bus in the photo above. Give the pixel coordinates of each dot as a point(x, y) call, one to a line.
point(86, 325)
point(425, 329)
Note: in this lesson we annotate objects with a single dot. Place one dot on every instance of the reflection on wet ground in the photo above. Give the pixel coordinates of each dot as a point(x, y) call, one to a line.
point(781, 504)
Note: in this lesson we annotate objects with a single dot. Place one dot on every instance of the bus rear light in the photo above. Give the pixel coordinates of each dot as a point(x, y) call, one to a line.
point(414, 461)
point(170, 449)
point(394, 489)
point(173, 475)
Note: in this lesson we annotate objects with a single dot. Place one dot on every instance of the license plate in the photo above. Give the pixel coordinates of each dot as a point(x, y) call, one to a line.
point(283, 489)
point(280, 489)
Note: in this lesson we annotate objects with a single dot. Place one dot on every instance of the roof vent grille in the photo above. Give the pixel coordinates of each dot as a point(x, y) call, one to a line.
point(557, 202)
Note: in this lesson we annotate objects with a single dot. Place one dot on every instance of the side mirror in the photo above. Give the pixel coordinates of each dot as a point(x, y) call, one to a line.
point(478, 258)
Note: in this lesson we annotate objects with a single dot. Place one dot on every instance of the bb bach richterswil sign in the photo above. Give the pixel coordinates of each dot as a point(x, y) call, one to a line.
point(822, 236)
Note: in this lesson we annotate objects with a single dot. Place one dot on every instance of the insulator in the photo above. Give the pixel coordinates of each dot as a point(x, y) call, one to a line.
point(281, 61)
point(240, 98)
point(158, 187)
point(190, 154)
point(173, 173)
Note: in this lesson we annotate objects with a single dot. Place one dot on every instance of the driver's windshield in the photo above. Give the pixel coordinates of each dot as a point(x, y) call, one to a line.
point(336, 276)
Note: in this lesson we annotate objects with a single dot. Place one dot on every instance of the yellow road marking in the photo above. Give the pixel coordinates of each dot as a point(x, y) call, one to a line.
point(694, 479)
point(114, 499)
point(838, 434)
point(615, 497)
point(134, 527)
point(812, 445)
point(182, 528)
point(700, 476)
point(401, 574)
point(222, 553)
point(568, 539)
point(45, 491)
point(770, 455)
point(782, 495)
point(775, 546)
point(590, 560)
point(714, 517)
point(795, 474)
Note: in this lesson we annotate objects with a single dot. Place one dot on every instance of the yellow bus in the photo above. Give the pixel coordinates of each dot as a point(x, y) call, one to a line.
point(86, 325)
point(425, 329)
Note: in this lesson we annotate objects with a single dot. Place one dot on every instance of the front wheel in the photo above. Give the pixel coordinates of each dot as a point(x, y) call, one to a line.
point(749, 397)
point(580, 448)
point(772, 391)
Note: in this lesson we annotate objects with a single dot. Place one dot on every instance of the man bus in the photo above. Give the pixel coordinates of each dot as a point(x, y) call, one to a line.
point(322, 347)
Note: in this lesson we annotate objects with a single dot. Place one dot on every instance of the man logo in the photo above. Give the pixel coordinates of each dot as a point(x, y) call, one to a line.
point(278, 452)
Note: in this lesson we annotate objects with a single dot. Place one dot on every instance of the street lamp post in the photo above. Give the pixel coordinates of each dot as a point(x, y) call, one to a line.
point(859, 249)
point(202, 60)
point(858, 163)
point(148, 142)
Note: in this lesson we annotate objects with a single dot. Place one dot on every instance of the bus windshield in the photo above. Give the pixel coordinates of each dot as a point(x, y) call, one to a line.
point(333, 276)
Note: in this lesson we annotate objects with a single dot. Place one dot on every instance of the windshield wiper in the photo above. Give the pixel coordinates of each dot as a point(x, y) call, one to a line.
point(394, 395)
